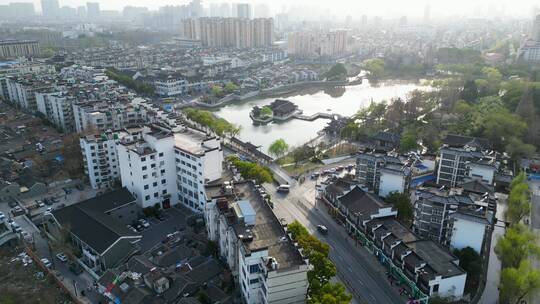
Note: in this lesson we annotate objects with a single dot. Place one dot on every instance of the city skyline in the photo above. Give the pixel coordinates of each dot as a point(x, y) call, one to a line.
point(339, 8)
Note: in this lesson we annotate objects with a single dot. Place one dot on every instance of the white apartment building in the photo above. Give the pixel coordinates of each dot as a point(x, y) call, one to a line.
point(57, 108)
point(265, 261)
point(105, 116)
point(101, 158)
point(327, 44)
point(170, 85)
point(167, 167)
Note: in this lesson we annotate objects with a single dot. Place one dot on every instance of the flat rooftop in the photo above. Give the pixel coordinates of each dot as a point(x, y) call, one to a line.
point(268, 232)
point(191, 141)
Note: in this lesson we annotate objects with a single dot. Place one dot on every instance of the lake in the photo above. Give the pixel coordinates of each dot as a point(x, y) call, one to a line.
point(345, 101)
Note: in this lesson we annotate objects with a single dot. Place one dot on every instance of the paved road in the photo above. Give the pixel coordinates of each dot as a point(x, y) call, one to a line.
point(491, 290)
point(357, 268)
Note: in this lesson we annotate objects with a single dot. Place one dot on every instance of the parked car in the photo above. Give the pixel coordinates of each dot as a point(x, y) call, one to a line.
point(12, 204)
point(139, 227)
point(144, 223)
point(47, 201)
point(160, 217)
point(62, 205)
point(130, 227)
point(46, 262)
point(62, 257)
point(2, 216)
point(17, 211)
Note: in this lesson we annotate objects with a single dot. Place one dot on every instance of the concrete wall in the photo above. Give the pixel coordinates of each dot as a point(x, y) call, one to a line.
point(391, 182)
point(452, 286)
point(287, 285)
point(467, 234)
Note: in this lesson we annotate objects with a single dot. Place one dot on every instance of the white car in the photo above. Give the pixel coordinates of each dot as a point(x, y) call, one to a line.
point(144, 223)
point(2, 216)
point(62, 257)
point(46, 262)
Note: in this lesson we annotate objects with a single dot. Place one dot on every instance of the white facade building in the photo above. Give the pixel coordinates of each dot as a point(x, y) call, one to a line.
point(168, 167)
point(467, 231)
point(101, 158)
point(57, 108)
point(170, 86)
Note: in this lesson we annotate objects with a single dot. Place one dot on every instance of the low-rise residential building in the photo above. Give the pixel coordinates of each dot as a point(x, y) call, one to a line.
point(461, 157)
point(452, 218)
point(170, 85)
point(267, 264)
point(97, 227)
point(423, 267)
point(368, 172)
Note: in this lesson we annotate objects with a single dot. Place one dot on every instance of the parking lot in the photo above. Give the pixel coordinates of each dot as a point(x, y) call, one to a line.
point(175, 219)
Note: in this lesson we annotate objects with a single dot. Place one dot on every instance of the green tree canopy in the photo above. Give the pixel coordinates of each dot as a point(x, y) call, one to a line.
point(519, 204)
point(408, 141)
point(252, 171)
point(517, 244)
point(278, 148)
point(336, 72)
point(375, 67)
point(331, 294)
point(517, 283)
point(402, 202)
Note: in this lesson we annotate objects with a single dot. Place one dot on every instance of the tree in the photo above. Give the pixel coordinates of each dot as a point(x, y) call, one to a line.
point(519, 204)
point(71, 151)
point(471, 262)
point(470, 91)
point(320, 289)
point(217, 91)
point(278, 148)
point(266, 111)
point(375, 67)
point(517, 283)
point(330, 294)
point(336, 72)
point(517, 245)
point(402, 202)
point(517, 149)
point(230, 87)
point(408, 141)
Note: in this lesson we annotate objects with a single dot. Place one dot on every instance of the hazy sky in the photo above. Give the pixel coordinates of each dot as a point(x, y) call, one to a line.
point(390, 8)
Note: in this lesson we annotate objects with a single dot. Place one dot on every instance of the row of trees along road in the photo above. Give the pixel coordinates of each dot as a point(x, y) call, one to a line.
point(321, 290)
point(518, 248)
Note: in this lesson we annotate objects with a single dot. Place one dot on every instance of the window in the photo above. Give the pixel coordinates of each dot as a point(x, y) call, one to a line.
point(146, 187)
point(164, 192)
point(253, 281)
point(163, 181)
point(143, 158)
point(162, 171)
point(147, 198)
point(156, 194)
point(161, 154)
point(254, 268)
point(152, 165)
point(152, 157)
point(144, 168)
point(145, 176)
point(436, 288)
point(154, 184)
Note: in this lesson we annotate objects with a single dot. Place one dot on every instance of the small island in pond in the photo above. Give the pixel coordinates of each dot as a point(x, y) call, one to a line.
point(278, 110)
